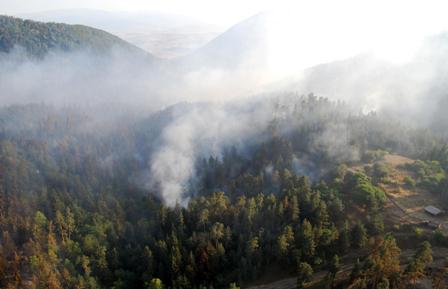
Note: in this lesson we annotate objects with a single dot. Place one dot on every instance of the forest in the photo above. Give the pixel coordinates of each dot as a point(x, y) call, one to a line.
point(38, 39)
point(74, 212)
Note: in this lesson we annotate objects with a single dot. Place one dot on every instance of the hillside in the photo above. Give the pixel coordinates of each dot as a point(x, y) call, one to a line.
point(243, 44)
point(120, 170)
point(374, 84)
point(39, 38)
point(164, 35)
point(118, 22)
point(94, 199)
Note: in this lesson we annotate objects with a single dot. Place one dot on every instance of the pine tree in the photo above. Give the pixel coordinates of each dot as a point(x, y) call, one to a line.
point(305, 272)
point(359, 236)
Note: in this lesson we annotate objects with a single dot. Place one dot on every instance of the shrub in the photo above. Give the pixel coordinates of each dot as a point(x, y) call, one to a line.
point(409, 182)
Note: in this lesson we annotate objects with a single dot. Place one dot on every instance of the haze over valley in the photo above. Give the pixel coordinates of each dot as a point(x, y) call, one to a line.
point(257, 145)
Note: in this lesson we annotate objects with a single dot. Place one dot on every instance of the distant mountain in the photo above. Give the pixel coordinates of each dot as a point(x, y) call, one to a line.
point(164, 35)
point(244, 44)
point(415, 91)
point(39, 38)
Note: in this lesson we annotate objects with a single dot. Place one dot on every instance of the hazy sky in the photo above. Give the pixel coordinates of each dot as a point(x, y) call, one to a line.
point(421, 13)
point(212, 11)
point(336, 29)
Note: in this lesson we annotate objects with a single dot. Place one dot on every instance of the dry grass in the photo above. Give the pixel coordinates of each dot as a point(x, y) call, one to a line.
point(397, 160)
point(407, 205)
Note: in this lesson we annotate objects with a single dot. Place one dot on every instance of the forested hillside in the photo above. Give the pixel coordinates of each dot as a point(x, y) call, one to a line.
point(305, 147)
point(39, 38)
point(74, 212)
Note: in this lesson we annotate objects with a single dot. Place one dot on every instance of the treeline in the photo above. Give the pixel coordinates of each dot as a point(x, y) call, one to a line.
point(55, 238)
point(39, 38)
point(72, 216)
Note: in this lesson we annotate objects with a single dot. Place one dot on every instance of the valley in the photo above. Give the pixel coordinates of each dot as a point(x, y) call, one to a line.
point(151, 150)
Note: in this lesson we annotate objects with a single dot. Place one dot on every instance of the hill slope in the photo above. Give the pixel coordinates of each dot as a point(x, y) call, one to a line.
point(243, 44)
point(39, 38)
point(161, 34)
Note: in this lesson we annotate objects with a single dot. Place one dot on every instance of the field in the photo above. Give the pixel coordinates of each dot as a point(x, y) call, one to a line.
point(407, 205)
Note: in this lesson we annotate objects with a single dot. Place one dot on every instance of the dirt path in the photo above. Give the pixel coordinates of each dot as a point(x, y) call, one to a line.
point(291, 282)
point(288, 283)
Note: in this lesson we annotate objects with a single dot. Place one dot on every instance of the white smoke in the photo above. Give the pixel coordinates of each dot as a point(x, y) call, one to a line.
point(410, 91)
point(201, 130)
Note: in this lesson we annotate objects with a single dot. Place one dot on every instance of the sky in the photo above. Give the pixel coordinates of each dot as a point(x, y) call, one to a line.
point(392, 29)
point(211, 11)
point(421, 14)
point(417, 16)
point(231, 11)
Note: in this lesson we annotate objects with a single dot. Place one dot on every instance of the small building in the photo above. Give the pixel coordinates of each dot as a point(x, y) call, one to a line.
point(433, 210)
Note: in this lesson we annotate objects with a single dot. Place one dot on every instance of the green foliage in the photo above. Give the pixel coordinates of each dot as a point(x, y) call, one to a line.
point(409, 182)
point(380, 172)
point(418, 232)
point(376, 224)
point(364, 191)
point(416, 268)
point(305, 272)
point(95, 238)
point(359, 235)
point(155, 283)
point(440, 238)
point(72, 219)
point(39, 38)
point(334, 266)
point(233, 286)
point(374, 155)
point(429, 175)
point(40, 220)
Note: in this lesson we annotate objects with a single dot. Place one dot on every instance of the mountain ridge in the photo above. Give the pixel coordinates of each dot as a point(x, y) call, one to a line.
point(244, 42)
point(164, 35)
point(39, 38)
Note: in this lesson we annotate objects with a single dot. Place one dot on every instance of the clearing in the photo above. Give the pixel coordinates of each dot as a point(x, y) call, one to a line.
point(406, 205)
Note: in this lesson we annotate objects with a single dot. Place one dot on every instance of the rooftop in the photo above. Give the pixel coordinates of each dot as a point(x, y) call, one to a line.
point(433, 210)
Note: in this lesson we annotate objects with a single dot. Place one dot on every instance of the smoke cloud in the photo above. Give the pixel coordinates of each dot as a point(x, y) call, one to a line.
point(222, 106)
point(198, 131)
